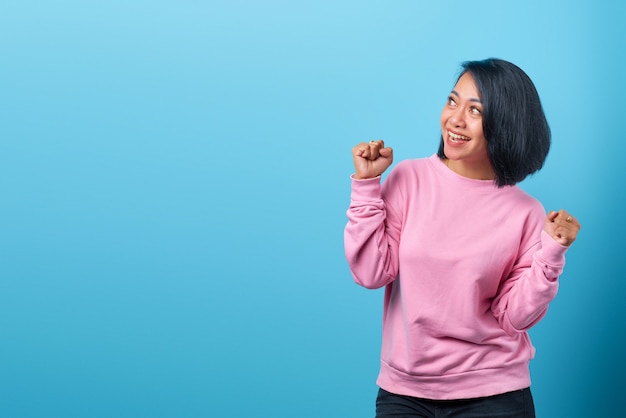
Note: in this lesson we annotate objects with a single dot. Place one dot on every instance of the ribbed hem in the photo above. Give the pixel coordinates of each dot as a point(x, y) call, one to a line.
point(467, 385)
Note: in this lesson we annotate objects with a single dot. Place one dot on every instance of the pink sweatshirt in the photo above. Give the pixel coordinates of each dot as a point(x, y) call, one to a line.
point(467, 269)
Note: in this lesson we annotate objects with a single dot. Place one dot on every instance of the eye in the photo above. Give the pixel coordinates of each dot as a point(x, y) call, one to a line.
point(451, 101)
point(475, 111)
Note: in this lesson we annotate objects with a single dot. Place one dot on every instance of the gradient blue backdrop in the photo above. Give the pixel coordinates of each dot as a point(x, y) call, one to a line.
point(174, 180)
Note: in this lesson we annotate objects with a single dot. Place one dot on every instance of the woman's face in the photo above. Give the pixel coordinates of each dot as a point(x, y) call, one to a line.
point(462, 129)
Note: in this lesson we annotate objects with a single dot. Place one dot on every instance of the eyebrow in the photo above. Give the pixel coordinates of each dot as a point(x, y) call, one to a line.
point(471, 98)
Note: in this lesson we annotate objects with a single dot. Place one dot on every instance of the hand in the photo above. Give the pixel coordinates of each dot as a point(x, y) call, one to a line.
point(371, 159)
point(562, 226)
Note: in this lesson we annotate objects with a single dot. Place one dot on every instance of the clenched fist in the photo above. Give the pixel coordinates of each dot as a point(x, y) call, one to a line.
point(562, 227)
point(371, 159)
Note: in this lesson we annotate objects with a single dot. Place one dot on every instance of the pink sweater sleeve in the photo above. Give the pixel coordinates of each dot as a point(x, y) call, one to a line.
point(371, 236)
point(523, 298)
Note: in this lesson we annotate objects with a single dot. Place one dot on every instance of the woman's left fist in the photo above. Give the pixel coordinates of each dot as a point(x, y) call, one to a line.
point(562, 226)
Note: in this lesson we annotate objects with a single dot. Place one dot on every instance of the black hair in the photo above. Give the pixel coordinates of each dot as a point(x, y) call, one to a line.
point(514, 124)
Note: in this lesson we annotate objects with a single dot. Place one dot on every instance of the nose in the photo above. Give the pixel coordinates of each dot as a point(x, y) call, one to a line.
point(457, 118)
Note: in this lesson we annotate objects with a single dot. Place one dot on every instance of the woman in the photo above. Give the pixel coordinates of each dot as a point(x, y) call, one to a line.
point(469, 261)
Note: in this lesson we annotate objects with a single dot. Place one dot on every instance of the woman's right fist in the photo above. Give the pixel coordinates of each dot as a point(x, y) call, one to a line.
point(371, 159)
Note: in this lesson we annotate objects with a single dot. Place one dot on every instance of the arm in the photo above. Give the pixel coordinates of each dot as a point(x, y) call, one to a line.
point(523, 298)
point(370, 239)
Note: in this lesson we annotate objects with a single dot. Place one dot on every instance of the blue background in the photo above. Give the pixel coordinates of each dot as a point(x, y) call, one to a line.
point(174, 180)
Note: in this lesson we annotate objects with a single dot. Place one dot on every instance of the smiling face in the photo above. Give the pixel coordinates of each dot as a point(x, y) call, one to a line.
point(464, 143)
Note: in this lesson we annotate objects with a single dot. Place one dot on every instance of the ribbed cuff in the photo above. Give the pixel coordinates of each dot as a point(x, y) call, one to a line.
point(365, 189)
point(552, 253)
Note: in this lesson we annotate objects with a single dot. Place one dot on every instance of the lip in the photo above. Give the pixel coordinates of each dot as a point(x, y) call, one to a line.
point(456, 142)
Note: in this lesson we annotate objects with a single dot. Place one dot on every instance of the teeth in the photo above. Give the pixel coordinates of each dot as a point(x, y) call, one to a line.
point(458, 137)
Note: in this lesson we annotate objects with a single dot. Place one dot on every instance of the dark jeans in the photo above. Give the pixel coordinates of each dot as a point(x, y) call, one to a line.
point(518, 404)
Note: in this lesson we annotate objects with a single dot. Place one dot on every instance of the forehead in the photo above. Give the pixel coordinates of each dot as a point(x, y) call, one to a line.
point(465, 87)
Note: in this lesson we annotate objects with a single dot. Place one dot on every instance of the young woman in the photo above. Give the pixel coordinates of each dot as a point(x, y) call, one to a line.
point(469, 261)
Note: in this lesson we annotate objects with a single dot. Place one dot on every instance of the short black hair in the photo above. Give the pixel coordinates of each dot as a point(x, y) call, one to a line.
point(514, 124)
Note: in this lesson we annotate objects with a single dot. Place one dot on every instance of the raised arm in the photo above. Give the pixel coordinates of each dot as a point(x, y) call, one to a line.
point(371, 237)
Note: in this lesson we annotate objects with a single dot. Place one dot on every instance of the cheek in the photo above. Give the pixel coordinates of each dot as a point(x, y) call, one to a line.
point(477, 128)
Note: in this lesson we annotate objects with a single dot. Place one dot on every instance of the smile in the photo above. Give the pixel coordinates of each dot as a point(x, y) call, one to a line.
point(457, 138)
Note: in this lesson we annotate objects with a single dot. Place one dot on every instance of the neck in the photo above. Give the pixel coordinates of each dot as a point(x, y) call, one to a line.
point(473, 171)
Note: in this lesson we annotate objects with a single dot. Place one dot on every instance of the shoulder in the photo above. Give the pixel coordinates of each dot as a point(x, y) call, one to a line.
point(411, 167)
point(523, 199)
point(408, 180)
point(529, 211)
point(405, 179)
